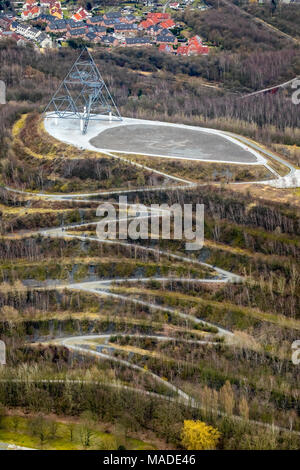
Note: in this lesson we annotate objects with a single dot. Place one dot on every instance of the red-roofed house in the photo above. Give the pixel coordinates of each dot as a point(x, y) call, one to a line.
point(167, 24)
point(166, 48)
point(25, 15)
point(197, 50)
point(6, 23)
point(80, 15)
point(35, 11)
point(146, 24)
point(55, 9)
point(31, 12)
point(195, 40)
point(194, 47)
point(182, 50)
point(28, 4)
point(57, 13)
point(158, 17)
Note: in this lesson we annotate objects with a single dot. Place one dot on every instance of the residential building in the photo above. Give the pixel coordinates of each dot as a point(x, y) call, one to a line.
point(128, 19)
point(43, 18)
point(174, 5)
point(112, 15)
point(31, 12)
point(81, 14)
point(5, 22)
point(137, 42)
point(110, 22)
point(55, 10)
point(32, 34)
point(76, 33)
point(58, 26)
point(166, 39)
point(194, 47)
point(146, 24)
point(99, 30)
point(29, 4)
point(76, 24)
point(167, 24)
point(95, 20)
point(154, 29)
point(167, 48)
point(158, 17)
point(109, 40)
point(126, 29)
point(44, 40)
point(71, 23)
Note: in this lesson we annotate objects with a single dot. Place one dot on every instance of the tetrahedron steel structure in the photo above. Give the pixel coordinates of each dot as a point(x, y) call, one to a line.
point(83, 95)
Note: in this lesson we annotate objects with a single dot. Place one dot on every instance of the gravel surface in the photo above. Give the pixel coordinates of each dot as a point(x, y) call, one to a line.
point(171, 141)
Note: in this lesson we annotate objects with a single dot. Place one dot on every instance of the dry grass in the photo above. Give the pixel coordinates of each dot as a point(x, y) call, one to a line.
point(48, 165)
point(29, 131)
point(268, 193)
point(197, 171)
point(291, 153)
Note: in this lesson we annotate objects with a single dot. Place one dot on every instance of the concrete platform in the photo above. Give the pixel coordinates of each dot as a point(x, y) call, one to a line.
point(154, 138)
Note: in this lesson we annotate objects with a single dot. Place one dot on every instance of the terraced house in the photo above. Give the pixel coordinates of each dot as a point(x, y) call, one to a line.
point(125, 30)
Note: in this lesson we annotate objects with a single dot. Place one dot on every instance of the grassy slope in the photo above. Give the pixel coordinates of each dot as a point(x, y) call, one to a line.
point(203, 171)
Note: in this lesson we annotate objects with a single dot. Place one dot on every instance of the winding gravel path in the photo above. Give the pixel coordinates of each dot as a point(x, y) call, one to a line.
point(71, 343)
point(102, 287)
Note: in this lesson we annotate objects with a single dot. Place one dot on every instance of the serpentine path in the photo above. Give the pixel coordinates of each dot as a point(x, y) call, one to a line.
point(103, 287)
point(79, 344)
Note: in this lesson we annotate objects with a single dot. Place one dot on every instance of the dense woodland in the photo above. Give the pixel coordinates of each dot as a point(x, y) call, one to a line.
point(284, 17)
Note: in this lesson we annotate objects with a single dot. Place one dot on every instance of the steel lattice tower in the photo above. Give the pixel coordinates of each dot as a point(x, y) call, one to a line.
point(83, 95)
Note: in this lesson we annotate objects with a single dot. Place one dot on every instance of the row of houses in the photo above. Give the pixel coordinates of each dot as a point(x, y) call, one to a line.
point(23, 33)
point(115, 24)
point(69, 29)
point(164, 19)
point(5, 32)
point(155, 29)
point(82, 14)
point(66, 26)
point(32, 34)
point(153, 25)
point(117, 28)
